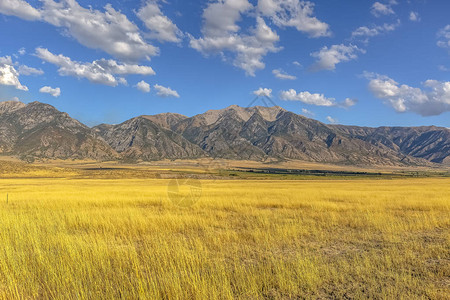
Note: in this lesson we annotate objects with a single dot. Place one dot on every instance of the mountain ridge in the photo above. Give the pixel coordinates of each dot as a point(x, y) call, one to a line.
point(38, 130)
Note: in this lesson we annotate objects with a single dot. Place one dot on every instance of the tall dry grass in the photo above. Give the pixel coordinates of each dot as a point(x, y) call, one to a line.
point(113, 239)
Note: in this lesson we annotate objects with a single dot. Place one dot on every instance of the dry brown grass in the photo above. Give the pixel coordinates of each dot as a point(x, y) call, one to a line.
point(102, 238)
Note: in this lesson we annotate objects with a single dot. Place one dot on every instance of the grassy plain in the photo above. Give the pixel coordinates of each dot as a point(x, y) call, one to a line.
point(68, 235)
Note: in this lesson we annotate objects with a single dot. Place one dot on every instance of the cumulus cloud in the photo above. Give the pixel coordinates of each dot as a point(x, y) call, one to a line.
point(332, 120)
point(9, 75)
point(263, 92)
point(307, 113)
point(297, 64)
point(348, 102)
point(165, 91)
point(21, 69)
point(222, 35)
point(444, 37)
point(6, 60)
point(433, 100)
point(414, 16)
point(101, 71)
point(55, 92)
point(294, 13)
point(143, 86)
point(26, 70)
point(328, 58)
point(22, 51)
point(379, 9)
point(315, 99)
point(19, 8)
point(307, 97)
point(160, 26)
point(108, 30)
point(280, 74)
point(366, 32)
point(220, 17)
point(122, 81)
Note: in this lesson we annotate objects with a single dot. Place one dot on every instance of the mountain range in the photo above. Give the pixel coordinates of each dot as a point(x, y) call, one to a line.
point(39, 131)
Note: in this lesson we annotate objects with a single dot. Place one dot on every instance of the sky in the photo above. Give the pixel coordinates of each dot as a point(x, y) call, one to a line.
point(352, 62)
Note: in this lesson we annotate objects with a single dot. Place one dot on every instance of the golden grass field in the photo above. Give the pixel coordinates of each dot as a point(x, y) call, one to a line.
point(74, 237)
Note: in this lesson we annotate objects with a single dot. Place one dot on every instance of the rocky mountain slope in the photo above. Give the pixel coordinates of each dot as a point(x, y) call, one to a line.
point(38, 130)
point(429, 142)
point(255, 133)
point(261, 132)
point(143, 139)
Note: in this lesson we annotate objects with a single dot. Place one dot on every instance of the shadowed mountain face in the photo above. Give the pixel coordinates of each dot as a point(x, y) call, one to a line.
point(39, 130)
point(429, 142)
point(143, 139)
point(166, 120)
point(255, 133)
point(259, 133)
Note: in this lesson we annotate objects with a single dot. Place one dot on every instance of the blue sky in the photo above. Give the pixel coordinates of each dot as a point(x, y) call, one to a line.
point(354, 62)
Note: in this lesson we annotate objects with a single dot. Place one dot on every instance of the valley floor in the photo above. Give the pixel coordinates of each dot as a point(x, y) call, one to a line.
point(109, 238)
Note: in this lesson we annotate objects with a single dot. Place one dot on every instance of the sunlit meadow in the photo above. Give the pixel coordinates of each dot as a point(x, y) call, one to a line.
point(67, 238)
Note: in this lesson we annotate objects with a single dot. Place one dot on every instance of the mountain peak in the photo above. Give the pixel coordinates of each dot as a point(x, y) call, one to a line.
point(166, 120)
point(10, 106)
point(245, 113)
point(40, 104)
point(40, 130)
point(270, 113)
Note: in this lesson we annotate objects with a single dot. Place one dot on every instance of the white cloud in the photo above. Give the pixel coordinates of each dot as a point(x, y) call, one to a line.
point(308, 113)
point(332, 120)
point(26, 70)
point(414, 16)
point(22, 51)
point(348, 102)
point(9, 75)
point(6, 60)
point(315, 99)
point(328, 58)
point(263, 92)
point(101, 71)
point(110, 31)
point(19, 8)
point(294, 13)
point(161, 27)
point(435, 100)
point(220, 18)
point(55, 92)
point(122, 81)
point(307, 97)
point(364, 31)
point(296, 63)
point(379, 9)
point(143, 86)
point(280, 74)
point(443, 68)
point(22, 69)
point(165, 91)
point(222, 35)
point(444, 37)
